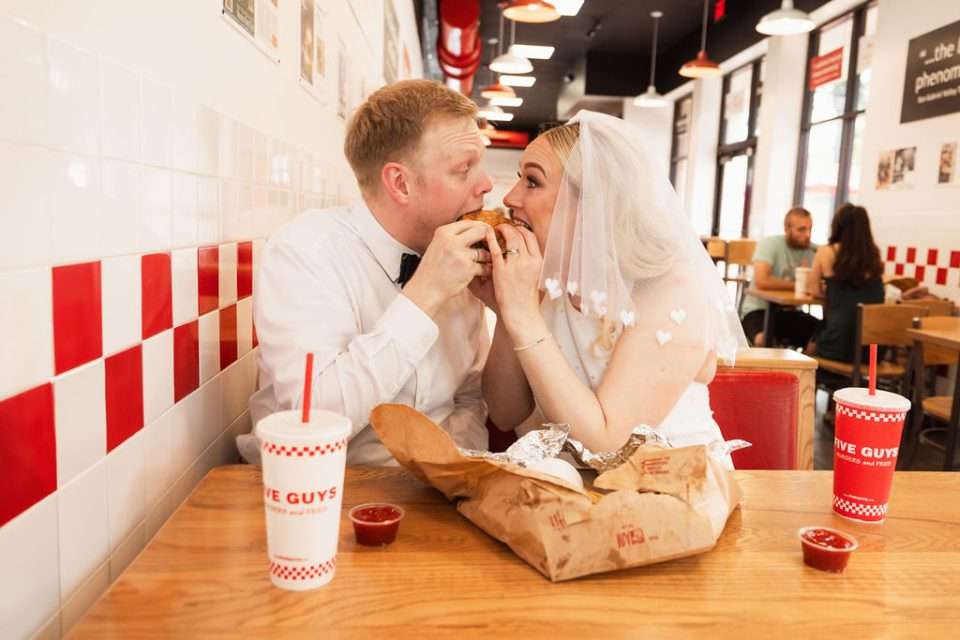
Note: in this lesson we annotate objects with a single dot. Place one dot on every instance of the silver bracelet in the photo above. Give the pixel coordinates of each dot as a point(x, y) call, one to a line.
point(532, 344)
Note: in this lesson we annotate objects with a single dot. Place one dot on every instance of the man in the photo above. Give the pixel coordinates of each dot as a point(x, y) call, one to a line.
point(774, 262)
point(335, 282)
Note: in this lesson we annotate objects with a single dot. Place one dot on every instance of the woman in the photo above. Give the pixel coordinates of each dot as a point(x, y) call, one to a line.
point(610, 313)
point(849, 268)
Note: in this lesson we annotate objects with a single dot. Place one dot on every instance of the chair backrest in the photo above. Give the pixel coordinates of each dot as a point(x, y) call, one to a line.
point(887, 324)
point(934, 306)
point(760, 407)
point(740, 252)
point(932, 354)
point(717, 248)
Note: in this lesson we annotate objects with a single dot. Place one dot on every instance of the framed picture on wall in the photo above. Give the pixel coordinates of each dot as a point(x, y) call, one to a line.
point(947, 166)
point(307, 42)
point(343, 80)
point(257, 20)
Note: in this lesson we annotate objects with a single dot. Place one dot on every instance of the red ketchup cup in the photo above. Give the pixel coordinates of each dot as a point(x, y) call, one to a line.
point(375, 524)
point(826, 549)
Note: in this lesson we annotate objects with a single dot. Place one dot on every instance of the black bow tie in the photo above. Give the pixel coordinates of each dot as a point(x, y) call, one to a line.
point(408, 266)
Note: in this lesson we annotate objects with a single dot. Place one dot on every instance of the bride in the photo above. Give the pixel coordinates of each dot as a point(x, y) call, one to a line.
point(610, 313)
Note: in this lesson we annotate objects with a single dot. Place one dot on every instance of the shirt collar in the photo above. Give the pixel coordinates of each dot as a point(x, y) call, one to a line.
point(385, 248)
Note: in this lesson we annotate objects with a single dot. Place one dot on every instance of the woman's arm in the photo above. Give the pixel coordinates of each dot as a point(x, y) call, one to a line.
point(505, 389)
point(822, 268)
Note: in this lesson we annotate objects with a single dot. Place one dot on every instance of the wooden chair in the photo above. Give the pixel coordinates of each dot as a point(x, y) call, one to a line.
point(716, 248)
point(884, 325)
point(738, 253)
point(934, 407)
point(934, 306)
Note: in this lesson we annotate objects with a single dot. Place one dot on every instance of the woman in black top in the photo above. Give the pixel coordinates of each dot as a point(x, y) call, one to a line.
point(851, 271)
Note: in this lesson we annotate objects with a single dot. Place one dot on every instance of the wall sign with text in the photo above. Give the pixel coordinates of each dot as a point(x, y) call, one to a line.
point(932, 84)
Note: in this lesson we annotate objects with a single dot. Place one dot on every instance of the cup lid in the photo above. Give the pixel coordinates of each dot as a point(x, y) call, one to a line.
point(883, 400)
point(288, 425)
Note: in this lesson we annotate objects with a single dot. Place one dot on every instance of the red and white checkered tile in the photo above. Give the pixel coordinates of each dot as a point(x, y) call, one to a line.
point(931, 266)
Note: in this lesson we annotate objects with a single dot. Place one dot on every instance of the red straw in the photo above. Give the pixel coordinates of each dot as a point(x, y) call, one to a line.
point(307, 388)
point(873, 369)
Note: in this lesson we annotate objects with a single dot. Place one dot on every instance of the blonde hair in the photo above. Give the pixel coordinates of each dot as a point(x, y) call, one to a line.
point(390, 124)
point(562, 141)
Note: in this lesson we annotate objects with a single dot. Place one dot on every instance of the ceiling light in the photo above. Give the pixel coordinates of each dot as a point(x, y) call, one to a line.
point(497, 90)
point(651, 98)
point(518, 81)
point(494, 113)
point(701, 66)
point(532, 51)
point(567, 7)
point(506, 102)
point(534, 11)
point(785, 21)
point(509, 63)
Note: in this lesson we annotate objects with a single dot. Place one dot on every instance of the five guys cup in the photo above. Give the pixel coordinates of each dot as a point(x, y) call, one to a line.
point(865, 449)
point(304, 454)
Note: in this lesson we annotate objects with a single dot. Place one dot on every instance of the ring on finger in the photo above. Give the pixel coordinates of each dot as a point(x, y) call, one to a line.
point(511, 252)
point(478, 257)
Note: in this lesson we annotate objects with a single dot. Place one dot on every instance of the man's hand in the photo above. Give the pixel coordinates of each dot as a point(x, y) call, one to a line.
point(449, 265)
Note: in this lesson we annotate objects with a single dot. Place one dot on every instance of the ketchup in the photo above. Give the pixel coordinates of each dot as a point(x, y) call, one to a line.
point(376, 525)
point(826, 549)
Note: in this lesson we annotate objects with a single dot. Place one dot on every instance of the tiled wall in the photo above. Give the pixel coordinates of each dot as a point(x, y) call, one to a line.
point(936, 268)
point(131, 217)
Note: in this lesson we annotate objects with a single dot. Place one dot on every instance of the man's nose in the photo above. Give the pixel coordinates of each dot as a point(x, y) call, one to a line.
point(485, 185)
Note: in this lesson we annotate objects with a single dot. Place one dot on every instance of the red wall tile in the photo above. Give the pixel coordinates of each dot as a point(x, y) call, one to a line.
point(244, 270)
point(77, 315)
point(28, 442)
point(186, 359)
point(911, 255)
point(891, 253)
point(932, 257)
point(919, 273)
point(124, 387)
point(157, 294)
point(941, 276)
point(955, 259)
point(228, 336)
point(208, 278)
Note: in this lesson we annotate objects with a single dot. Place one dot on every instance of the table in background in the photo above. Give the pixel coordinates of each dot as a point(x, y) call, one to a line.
point(947, 339)
point(777, 299)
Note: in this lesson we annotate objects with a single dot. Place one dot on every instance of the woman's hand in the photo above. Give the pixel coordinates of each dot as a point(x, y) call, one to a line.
point(516, 279)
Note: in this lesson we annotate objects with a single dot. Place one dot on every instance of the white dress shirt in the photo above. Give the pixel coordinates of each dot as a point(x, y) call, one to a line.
point(327, 284)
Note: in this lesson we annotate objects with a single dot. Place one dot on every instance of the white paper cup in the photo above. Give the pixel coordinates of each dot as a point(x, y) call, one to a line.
point(800, 277)
point(303, 467)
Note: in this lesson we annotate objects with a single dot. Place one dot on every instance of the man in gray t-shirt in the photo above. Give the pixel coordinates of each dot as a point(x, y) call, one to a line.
point(774, 262)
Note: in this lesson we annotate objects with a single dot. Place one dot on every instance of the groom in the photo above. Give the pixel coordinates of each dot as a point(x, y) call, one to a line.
point(344, 283)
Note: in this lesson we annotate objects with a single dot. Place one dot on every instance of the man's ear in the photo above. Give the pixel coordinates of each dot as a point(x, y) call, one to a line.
point(396, 180)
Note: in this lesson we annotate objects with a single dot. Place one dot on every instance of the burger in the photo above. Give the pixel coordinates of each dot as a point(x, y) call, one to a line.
point(494, 218)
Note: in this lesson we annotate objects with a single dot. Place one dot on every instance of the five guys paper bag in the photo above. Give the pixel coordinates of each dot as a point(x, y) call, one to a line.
point(659, 505)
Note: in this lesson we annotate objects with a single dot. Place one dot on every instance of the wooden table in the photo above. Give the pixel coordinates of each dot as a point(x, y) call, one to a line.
point(776, 299)
point(205, 573)
point(948, 338)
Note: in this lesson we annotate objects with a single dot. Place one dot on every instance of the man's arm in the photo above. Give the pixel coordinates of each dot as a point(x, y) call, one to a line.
point(302, 306)
point(467, 425)
point(763, 277)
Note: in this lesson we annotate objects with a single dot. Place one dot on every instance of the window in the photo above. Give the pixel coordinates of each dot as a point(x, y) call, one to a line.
point(831, 138)
point(680, 146)
point(739, 112)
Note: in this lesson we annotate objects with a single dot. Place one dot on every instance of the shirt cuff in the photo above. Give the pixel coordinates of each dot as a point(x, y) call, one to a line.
point(413, 331)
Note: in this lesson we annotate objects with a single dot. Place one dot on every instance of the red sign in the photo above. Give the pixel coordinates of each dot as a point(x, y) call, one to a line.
point(719, 10)
point(826, 68)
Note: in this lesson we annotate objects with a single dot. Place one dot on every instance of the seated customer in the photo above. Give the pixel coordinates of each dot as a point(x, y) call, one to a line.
point(774, 262)
point(850, 270)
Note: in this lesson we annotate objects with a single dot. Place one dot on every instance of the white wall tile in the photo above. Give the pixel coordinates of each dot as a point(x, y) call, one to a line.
point(126, 488)
point(84, 538)
point(119, 111)
point(84, 597)
point(127, 550)
point(157, 375)
point(50, 629)
point(208, 211)
point(120, 202)
point(185, 437)
point(261, 158)
point(23, 83)
point(156, 130)
point(156, 208)
point(73, 99)
point(159, 514)
point(185, 121)
point(209, 327)
point(208, 148)
point(26, 330)
point(158, 460)
point(24, 213)
point(120, 291)
point(75, 208)
point(238, 385)
point(185, 210)
point(245, 149)
point(227, 148)
point(185, 295)
point(244, 326)
point(79, 400)
point(211, 411)
point(30, 579)
point(228, 274)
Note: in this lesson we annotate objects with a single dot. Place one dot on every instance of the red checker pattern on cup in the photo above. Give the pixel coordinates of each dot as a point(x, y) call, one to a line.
point(858, 510)
point(871, 416)
point(302, 573)
point(301, 452)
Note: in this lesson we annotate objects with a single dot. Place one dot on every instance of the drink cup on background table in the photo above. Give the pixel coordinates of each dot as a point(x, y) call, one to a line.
point(801, 275)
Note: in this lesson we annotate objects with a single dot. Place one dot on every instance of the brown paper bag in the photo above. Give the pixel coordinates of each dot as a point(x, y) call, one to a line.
point(659, 505)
